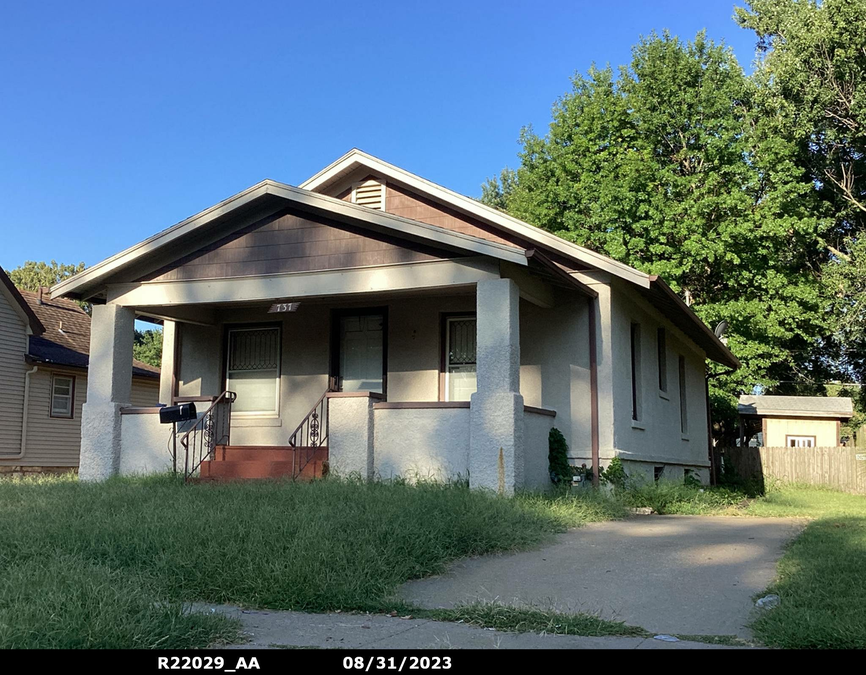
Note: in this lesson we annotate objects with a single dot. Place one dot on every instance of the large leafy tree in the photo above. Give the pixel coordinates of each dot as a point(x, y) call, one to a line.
point(812, 74)
point(31, 275)
point(665, 165)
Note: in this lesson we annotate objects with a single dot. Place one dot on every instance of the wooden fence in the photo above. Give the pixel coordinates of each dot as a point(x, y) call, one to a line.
point(839, 468)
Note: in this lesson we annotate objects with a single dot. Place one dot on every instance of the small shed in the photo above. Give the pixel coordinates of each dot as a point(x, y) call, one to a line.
point(794, 421)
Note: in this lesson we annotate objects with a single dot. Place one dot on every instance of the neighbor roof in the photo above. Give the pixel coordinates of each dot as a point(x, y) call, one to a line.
point(796, 406)
point(66, 340)
point(20, 304)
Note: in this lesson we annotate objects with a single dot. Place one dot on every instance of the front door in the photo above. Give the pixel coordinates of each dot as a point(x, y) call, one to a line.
point(360, 353)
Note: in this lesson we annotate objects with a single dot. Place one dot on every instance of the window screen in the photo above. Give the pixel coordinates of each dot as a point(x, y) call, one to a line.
point(253, 369)
point(460, 365)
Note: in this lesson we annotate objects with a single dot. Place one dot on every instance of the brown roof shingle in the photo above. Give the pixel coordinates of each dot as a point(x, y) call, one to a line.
point(66, 340)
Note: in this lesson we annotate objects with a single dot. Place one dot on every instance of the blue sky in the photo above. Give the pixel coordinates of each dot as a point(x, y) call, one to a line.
point(120, 119)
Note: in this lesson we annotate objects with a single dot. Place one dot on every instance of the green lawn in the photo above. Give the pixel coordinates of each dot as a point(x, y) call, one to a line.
point(110, 565)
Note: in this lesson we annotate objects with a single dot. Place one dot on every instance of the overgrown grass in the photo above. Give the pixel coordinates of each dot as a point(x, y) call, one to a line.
point(109, 565)
point(532, 620)
point(112, 564)
point(821, 579)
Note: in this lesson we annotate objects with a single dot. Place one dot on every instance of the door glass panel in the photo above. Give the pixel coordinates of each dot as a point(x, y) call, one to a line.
point(460, 367)
point(361, 352)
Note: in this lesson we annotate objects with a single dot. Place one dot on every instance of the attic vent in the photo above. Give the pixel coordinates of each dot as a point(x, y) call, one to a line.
point(370, 193)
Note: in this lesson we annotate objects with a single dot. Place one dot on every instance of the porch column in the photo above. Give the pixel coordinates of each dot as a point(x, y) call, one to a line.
point(496, 408)
point(168, 367)
point(109, 385)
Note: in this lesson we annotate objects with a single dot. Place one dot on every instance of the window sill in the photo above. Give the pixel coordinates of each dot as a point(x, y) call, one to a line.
point(685, 438)
point(664, 395)
point(256, 421)
point(637, 424)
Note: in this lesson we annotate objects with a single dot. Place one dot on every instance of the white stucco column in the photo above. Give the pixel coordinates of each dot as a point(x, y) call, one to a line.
point(350, 434)
point(496, 409)
point(109, 384)
point(167, 367)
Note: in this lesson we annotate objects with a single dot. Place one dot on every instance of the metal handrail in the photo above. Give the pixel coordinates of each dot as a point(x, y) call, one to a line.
point(312, 432)
point(205, 434)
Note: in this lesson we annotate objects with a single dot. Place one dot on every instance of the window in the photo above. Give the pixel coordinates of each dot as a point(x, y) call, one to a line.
point(684, 419)
point(62, 396)
point(459, 358)
point(658, 473)
point(635, 372)
point(663, 360)
point(800, 441)
point(253, 370)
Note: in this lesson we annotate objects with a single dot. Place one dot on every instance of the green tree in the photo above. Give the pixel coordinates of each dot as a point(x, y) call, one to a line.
point(812, 75)
point(665, 165)
point(147, 347)
point(31, 275)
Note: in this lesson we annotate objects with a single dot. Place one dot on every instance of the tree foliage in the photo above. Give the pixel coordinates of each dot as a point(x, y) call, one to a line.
point(667, 166)
point(813, 76)
point(147, 347)
point(31, 275)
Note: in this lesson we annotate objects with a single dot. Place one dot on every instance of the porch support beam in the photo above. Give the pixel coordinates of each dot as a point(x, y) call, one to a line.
point(438, 274)
point(496, 410)
point(109, 388)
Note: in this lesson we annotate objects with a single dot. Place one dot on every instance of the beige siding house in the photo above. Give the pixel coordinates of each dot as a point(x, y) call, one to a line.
point(44, 347)
point(794, 421)
point(374, 323)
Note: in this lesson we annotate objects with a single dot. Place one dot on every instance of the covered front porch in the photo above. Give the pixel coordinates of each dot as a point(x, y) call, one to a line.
point(452, 370)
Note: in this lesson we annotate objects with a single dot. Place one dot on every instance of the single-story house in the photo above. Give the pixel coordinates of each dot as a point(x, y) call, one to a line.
point(395, 327)
point(44, 344)
point(794, 421)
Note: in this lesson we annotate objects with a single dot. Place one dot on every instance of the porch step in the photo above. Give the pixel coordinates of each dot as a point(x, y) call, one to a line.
point(235, 462)
point(253, 453)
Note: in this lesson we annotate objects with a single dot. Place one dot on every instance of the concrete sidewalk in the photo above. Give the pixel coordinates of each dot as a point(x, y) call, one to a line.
point(686, 575)
point(275, 630)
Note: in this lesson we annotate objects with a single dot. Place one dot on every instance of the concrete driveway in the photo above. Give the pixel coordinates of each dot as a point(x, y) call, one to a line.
point(693, 575)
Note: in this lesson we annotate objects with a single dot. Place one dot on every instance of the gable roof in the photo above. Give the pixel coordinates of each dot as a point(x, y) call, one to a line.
point(376, 220)
point(651, 287)
point(796, 406)
point(66, 340)
point(355, 159)
point(19, 304)
point(308, 198)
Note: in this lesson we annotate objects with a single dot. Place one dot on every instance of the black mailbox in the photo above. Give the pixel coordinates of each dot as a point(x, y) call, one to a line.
point(177, 413)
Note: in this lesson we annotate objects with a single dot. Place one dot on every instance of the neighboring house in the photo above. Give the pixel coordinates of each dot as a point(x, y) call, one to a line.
point(405, 329)
point(44, 347)
point(794, 421)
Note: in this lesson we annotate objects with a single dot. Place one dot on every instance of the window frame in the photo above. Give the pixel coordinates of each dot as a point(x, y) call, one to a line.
point(662, 360)
point(64, 416)
point(635, 359)
point(812, 439)
point(444, 339)
point(237, 328)
point(682, 384)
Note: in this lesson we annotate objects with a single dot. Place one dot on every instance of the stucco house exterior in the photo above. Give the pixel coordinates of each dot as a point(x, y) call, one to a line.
point(794, 421)
point(397, 328)
point(44, 345)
